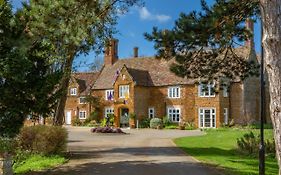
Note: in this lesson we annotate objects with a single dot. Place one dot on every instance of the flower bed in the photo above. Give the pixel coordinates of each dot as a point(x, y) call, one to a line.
point(107, 130)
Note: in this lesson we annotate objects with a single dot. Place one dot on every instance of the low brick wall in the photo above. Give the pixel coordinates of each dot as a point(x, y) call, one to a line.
point(6, 165)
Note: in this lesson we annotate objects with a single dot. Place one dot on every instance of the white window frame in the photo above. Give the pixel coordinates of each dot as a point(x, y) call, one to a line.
point(170, 114)
point(108, 110)
point(174, 92)
point(124, 90)
point(80, 100)
point(73, 91)
point(84, 116)
point(201, 117)
point(107, 92)
point(209, 93)
point(226, 115)
point(151, 112)
point(225, 91)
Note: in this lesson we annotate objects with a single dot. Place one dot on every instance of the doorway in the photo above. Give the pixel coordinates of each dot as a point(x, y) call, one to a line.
point(124, 117)
point(68, 118)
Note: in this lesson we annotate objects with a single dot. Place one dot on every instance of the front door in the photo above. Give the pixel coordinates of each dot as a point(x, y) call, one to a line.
point(68, 118)
point(124, 117)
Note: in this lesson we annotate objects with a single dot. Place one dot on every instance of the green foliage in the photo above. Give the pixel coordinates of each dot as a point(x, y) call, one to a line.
point(144, 123)
point(156, 123)
point(7, 145)
point(166, 121)
point(219, 148)
point(43, 139)
point(202, 42)
point(103, 122)
point(189, 126)
point(76, 122)
point(132, 116)
point(25, 71)
point(171, 126)
point(93, 117)
point(249, 144)
point(36, 162)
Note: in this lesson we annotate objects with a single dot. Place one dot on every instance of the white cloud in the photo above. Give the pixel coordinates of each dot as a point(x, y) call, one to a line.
point(146, 15)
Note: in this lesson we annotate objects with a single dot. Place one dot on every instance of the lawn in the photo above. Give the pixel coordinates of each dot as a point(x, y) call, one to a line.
point(218, 148)
point(37, 162)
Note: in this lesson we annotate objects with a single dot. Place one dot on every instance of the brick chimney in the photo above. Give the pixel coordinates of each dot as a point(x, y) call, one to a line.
point(249, 24)
point(111, 52)
point(136, 52)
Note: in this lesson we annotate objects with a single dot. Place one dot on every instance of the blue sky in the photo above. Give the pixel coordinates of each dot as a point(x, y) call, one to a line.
point(132, 25)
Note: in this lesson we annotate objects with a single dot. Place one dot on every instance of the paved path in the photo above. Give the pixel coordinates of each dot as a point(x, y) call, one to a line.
point(141, 152)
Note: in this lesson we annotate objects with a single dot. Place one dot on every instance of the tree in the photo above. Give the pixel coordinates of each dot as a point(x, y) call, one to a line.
point(26, 83)
point(198, 39)
point(72, 27)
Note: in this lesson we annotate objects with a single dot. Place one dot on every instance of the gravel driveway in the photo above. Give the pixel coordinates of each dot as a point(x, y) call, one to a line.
point(140, 152)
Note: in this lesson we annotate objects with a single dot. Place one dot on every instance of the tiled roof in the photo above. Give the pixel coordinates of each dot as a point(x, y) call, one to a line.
point(148, 71)
point(85, 81)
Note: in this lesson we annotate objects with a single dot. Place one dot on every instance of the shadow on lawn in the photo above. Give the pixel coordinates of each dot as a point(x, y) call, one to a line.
point(233, 156)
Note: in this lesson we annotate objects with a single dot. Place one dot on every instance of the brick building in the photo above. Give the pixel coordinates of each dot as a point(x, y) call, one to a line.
point(145, 86)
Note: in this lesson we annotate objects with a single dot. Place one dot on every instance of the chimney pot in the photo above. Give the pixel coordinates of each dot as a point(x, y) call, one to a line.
point(136, 52)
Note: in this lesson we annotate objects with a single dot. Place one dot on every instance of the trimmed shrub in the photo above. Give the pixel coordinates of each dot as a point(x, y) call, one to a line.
point(156, 123)
point(43, 139)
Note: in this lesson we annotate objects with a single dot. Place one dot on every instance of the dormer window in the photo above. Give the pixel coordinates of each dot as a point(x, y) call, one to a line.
point(73, 91)
point(206, 90)
point(174, 92)
point(124, 91)
point(109, 94)
point(225, 91)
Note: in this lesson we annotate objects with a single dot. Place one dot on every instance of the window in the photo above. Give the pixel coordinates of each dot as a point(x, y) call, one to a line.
point(207, 118)
point(206, 90)
point(151, 113)
point(82, 114)
point(174, 114)
point(108, 111)
point(225, 91)
point(174, 92)
point(73, 91)
point(82, 100)
point(124, 91)
point(109, 94)
point(225, 114)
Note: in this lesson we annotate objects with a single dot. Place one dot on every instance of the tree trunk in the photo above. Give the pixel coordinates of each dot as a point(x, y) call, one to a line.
point(59, 115)
point(271, 10)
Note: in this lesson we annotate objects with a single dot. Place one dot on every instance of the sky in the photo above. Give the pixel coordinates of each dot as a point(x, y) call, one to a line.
point(132, 25)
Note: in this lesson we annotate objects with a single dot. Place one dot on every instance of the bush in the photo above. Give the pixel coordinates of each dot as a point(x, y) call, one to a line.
point(144, 123)
point(43, 139)
point(156, 123)
point(7, 145)
point(76, 122)
point(132, 116)
point(166, 121)
point(93, 117)
point(171, 126)
point(249, 144)
point(189, 126)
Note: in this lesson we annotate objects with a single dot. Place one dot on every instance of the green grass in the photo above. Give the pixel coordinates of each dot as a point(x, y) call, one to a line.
point(218, 148)
point(38, 162)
